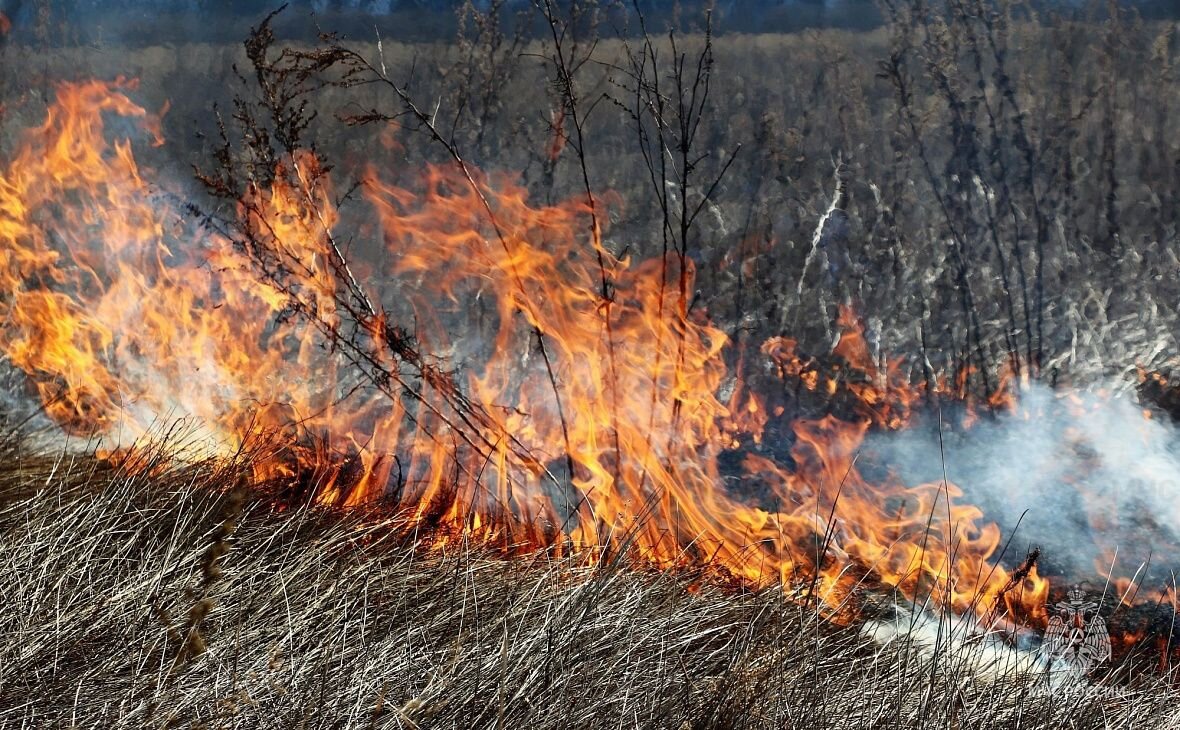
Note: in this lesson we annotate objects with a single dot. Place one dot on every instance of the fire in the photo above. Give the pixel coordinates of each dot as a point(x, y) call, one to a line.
point(586, 409)
point(124, 315)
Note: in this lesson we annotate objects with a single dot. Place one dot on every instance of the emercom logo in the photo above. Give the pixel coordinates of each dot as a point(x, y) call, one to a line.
point(1076, 634)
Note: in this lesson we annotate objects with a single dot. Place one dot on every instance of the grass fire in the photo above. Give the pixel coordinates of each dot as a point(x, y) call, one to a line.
point(553, 369)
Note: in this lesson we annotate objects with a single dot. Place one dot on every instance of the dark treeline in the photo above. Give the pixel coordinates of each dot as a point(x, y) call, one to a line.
point(147, 22)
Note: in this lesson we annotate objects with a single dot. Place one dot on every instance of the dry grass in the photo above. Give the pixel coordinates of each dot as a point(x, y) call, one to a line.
point(116, 616)
point(168, 597)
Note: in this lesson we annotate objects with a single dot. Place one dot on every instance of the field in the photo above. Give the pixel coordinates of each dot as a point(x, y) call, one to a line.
point(822, 238)
point(311, 617)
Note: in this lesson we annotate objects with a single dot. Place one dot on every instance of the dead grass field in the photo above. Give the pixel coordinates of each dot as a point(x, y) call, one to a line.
point(169, 597)
point(168, 601)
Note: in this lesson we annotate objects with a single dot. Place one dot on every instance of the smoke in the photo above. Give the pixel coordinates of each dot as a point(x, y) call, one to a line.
point(1083, 475)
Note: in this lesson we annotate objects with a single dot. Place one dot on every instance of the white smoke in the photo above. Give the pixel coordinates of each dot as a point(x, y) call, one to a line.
point(1084, 475)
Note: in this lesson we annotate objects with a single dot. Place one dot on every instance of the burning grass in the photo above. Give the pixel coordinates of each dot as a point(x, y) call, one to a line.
point(306, 616)
point(528, 417)
point(595, 420)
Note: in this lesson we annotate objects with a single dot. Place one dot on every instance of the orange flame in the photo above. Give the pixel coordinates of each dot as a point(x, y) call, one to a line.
point(602, 422)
